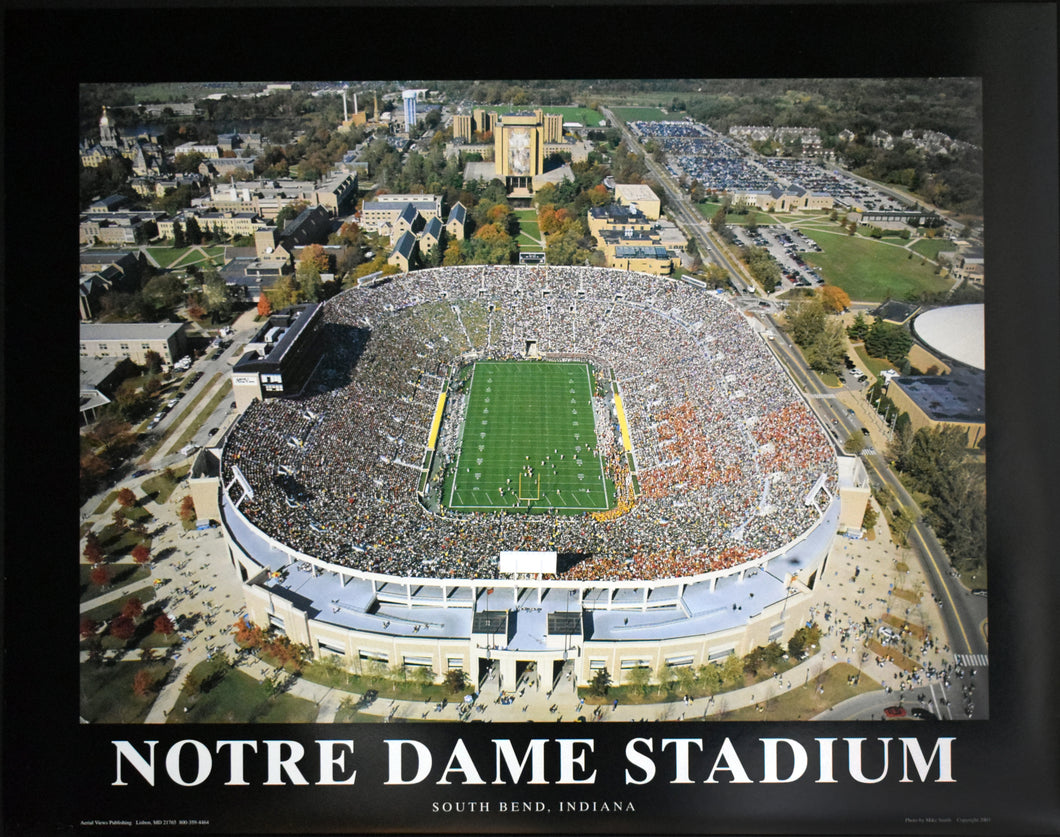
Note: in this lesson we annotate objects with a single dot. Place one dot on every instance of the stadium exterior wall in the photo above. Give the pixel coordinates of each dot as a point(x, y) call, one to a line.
point(256, 557)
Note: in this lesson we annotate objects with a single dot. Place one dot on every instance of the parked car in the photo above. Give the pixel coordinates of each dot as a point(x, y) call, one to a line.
point(979, 591)
point(894, 712)
point(922, 714)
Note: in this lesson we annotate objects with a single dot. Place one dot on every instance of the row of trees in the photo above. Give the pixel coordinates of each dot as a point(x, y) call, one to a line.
point(949, 485)
point(882, 339)
point(711, 678)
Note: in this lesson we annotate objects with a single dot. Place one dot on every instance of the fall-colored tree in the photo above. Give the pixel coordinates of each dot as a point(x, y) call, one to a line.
point(143, 683)
point(141, 553)
point(834, 298)
point(122, 627)
point(119, 520)
point(89, 626)
point(248, 634)
point(93, 551)
point(264, 306)
point(132, 608)
point(126, 498)
point(599, 196)
point(315, 256)
point(100, 575)
point(187, 509)
point(164, 625)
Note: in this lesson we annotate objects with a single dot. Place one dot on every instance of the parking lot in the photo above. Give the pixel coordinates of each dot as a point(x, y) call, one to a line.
point(786, 247)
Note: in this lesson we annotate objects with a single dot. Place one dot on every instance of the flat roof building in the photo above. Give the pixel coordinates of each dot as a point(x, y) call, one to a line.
point(134, 340)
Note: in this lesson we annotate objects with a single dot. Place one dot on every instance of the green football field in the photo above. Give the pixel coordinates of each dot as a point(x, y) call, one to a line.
point(529, 441)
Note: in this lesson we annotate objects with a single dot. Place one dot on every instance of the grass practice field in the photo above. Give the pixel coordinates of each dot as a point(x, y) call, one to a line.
point(520, 415)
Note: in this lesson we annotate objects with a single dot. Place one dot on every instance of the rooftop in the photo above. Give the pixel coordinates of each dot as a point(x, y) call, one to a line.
point(129, 331)
point(955, 331)
point(960, 396)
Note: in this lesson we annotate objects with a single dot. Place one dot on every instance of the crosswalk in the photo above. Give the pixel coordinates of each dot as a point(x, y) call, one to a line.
point(971, 659)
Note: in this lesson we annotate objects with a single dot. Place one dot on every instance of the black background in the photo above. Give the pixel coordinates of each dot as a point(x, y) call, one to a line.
point(58, 773)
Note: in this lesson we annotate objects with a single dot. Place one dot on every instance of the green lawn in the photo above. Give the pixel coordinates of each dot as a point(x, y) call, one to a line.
point(642, 114)
point(105, 612)
point(801, 703)
point(520, 415)
point(529, 231)
point(121, 575)
point(931, 247)
point(871, 271)
point(159, 487)
point(586, 116)
point(237, 698)
point(709, 209)
point(167, 256)
point(874, 365)
point(107, 695)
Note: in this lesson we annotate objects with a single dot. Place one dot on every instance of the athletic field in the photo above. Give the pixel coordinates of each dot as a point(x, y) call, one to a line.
point(529, 441)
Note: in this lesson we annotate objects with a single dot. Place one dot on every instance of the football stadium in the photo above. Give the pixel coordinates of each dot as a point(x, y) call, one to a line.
point(532, 469)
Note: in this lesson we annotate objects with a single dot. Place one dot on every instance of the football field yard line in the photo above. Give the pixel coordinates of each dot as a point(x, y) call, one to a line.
point(529, 413)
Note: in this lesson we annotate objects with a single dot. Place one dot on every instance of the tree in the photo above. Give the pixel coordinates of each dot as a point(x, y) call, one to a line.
point(710, 676)
point(164, 625)
point(805, 320)
point(310, 287)
point(122, 627)
point(153, 360)
point(828, 348)
point(93, 550)
point(131, 401)
point(639, 678)
point(455, 680)
point(601, 683)
point(126, 498)
point(859, 329)
point(187, 509)
point(141, 553)
point(732, 669)
point(121, 523)
point(188, 163)
point(192, 231)
point(88, 627)
point(283, 293)
point(855, 444)
point(314, 255)
point(888, 340)
point(804, 638)
point(143, 683)
point(132, 608)
point(868, 522)
point(163, 293)
point(289, 213)
point(217, 296)
point(178, 235)
point(264, 306)
point(834, 298)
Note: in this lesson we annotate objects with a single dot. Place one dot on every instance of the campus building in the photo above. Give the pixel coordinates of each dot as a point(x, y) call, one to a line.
point(134, 341)
point(955, 336)
point(279, 359)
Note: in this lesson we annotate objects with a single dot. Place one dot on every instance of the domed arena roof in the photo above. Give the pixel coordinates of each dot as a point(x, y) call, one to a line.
point(956, 332)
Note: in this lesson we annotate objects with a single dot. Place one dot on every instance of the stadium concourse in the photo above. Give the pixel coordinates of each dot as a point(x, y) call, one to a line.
point(727, 487)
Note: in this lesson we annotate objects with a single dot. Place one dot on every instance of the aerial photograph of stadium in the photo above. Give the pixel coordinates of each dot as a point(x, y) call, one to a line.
point(438, 401)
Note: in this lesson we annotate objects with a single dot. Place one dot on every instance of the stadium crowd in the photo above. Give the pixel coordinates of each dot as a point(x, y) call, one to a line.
point(725, 451)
